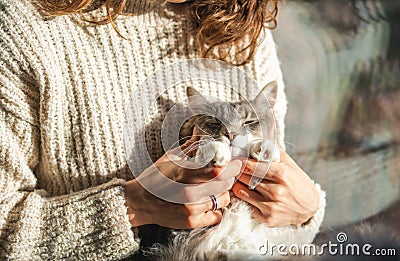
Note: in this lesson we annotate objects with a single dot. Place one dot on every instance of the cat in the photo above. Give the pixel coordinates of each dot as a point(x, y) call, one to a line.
point(227, 130)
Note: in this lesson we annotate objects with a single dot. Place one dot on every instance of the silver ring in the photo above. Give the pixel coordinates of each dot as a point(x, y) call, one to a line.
point(215, 202)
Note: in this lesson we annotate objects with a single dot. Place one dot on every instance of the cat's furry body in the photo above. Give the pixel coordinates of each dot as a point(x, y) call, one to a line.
point(237, 237)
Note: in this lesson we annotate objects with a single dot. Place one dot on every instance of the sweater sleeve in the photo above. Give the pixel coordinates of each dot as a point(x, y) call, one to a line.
point(87, 225)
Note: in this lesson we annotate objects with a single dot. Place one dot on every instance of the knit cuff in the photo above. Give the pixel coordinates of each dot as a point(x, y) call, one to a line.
point(88, 225)
point(314, 223)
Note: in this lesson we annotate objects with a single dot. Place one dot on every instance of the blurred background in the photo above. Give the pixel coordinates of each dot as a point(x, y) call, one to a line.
point(341, 65)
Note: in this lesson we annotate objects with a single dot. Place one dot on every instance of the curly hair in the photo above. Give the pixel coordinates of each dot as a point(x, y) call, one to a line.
point(228, 30)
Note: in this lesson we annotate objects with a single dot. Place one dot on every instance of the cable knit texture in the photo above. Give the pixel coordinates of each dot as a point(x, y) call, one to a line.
point(64, 87)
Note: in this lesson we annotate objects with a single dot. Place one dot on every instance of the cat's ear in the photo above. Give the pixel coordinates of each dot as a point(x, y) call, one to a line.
point(190, 91)
point(269, 92)
point(197, 102)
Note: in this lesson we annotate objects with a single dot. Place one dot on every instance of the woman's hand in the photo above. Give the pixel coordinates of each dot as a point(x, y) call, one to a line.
point(286, 196)
point(146, 208)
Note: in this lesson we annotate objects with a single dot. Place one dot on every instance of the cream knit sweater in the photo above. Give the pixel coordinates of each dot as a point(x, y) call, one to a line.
point(64, 87)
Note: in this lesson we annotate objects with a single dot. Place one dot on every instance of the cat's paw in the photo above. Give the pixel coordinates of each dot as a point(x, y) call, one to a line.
point(265, 150)
point(216, 152)
point(222, 154)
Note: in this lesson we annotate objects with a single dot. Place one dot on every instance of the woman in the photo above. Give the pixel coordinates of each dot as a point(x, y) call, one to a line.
point(66, 190)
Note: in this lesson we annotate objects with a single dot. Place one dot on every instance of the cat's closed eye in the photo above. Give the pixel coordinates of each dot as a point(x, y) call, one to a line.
point(250, 122)
point(213, 125)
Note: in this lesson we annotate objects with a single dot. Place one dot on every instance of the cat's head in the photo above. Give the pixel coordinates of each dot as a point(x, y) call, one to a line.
point(218, 118)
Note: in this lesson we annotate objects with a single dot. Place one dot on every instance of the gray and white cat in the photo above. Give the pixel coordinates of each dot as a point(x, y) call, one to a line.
point(232, 129)
point(227, 130)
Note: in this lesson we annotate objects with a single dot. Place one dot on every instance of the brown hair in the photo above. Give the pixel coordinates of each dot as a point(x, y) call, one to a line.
point(228, 30)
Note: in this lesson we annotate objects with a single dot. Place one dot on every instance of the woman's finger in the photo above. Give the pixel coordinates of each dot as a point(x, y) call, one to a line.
point(194, 221)
point(277, 215)
point(212, 204)
point(250, 196)
point(184, 149)
point(268, 217)
point(200, 193)
point(192, 139)
point(206, 219)
point(269, 190)
point(274, 172)
point(192, 175)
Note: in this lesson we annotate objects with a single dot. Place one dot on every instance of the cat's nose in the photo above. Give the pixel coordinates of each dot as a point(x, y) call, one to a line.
point(231, 135)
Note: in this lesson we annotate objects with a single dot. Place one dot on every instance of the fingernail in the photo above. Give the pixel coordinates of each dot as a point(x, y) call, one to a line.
point(216, 171)
point(243, 193)
point(234, 164)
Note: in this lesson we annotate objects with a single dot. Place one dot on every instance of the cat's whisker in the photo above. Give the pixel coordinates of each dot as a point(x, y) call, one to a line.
point(257, 139)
